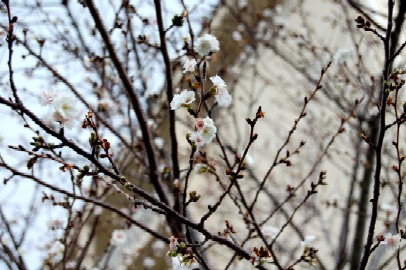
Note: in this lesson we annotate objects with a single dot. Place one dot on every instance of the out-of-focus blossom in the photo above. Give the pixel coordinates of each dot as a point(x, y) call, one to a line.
point(207, 44)
point(159, 142)
point(236, 36)
point(389, 209)
point(48, 97)
point(223, 98)
point(55, 223)
point(118, 237)
point(392, 242)
point(149, 262)
point(70, 265)
point(270, 231)
point(308, 241)
point(97, 210)
point(65, 109)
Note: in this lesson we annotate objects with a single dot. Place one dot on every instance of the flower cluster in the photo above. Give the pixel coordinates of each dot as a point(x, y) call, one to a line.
point(205, 131)
point(207, 44)
point(183, 99)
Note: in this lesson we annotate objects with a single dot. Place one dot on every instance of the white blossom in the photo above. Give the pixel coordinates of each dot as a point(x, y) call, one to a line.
point(223, 98)
point(56, 250)
point(267, 12)
point(270, 231)
point(178, 264)
point(207, 44)
point(70, 265)
point(48, 97)
point(389, 209)
point(236, 36)
point(65, 109)
point(97, 211)
point(307, 242)
point(218, 82)
point(248, 158)
point(205, 131)
point(189, 65)
point(5, 239)
point(184, 98)
point(392, 242)
point(159, 142)
point(196, 138)
point(118, 237)
point(55, 223)
point(158, 246)
point(149, 262)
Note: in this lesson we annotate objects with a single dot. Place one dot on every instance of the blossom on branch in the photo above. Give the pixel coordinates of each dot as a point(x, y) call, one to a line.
point(218, 82)
point(182, 99)
point(207, 44)
point(392, 242)
point(223, 98)
point(47, 97)
point(189, 65)
point(205, 131)
point(65, 109)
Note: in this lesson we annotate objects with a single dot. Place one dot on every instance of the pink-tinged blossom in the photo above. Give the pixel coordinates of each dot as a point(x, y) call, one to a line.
point(189, 65)
point(207, 44)
point(184, 98)
point(196, 138)
point(223, 98)
point(392, 242)
point(205, 131)
point(389, 209)
point(173, 243)
point(55, 223)
point(118, 237)
point(70, 265)
point(199, 123)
